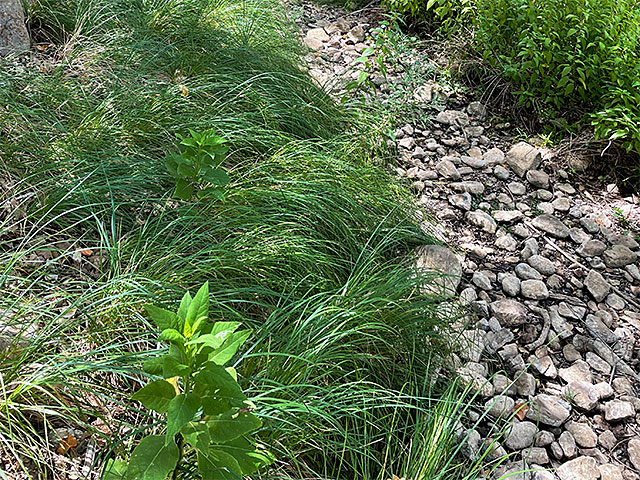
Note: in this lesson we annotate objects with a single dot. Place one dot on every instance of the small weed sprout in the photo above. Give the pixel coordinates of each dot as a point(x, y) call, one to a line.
point(196, 167)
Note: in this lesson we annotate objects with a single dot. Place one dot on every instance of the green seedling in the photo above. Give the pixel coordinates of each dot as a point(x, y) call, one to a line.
point(196, 168)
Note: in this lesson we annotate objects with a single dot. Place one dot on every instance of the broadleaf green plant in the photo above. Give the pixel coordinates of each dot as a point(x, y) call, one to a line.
point(196, 168)
point(208, 417)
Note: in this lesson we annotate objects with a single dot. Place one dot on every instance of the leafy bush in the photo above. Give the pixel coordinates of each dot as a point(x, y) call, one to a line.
point(569, 53)
point(440, 12)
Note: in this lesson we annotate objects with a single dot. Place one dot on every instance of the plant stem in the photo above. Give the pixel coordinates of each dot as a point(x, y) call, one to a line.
point(180, 454)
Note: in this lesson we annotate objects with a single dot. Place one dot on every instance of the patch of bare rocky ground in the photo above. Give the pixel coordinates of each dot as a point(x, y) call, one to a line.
point(548, 262)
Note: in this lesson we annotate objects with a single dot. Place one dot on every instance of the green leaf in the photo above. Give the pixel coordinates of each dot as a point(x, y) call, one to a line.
point(153, 365)
point(163, 318)
point(182, 408)
point(213, 193)
point(156, 395)
point(217, 465)
point(208, 340)
point(190, 142)
point(115, 469)
point(219, 333)
point(173, 336)
point(186, 170)
point(183, 308)
point(216, 176)
point(198, 311)
point(247, 455)
point(232, 424)
point(152, 459)
point(197, 435)
point(171, 367)
point(218, 389)
point(229, 348)
point(172, 164)
point(225, 327)
point(184, 190)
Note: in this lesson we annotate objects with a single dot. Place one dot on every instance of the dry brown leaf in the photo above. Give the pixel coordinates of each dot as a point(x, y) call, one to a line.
point(87, 252)
point(67, 443)
point(520, 410)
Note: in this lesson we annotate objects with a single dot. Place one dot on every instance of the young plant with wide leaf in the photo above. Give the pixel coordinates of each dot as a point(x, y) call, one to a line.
point(197, 167)
point(208, 417)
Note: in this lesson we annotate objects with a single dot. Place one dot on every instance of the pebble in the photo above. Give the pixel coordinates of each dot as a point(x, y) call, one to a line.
point(509, 312)
point(527, 272)
point(633, 450)
point(591, 248)
point(517, 188)
point(583, 434)
point(480, 280)
point(447, 170)
point(568, 444)
point(507, 216)
point(596, 285)
point(507, 242)
point(538, 179)
point(549, 410)
point(461, 201)
point(542, 264)
point(482, 220)
point(551, 225)
point(493, 157)
point(618, 256)
point(609, 471)
point(617, 410)
point(607, 440)
point(522, 157)
point(522, 435)
point(534, 289)
point(511, 285)
point(581, 468)
point(473, 187)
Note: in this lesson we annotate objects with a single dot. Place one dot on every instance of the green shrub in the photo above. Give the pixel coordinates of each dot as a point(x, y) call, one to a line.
point(436, 12)
point(566, 53)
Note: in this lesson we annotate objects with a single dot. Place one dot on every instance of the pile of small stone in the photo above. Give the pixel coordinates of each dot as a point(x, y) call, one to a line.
point(542, 261)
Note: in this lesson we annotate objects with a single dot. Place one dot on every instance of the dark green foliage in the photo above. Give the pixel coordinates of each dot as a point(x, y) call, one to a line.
point(569, 54)
point(433, 14)
point(196, 167)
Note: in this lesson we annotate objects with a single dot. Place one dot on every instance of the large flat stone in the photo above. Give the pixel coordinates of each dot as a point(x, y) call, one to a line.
point(444, 265)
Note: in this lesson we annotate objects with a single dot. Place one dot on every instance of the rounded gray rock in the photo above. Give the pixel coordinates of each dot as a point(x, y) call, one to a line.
point(552, 225)
point(534, 289)
point(549, 410)
point(542, 264)
point(581, 468)
point(596, 285)
point(509, 312)
point(521, 436)
point(618, 256)
point(482, 220)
